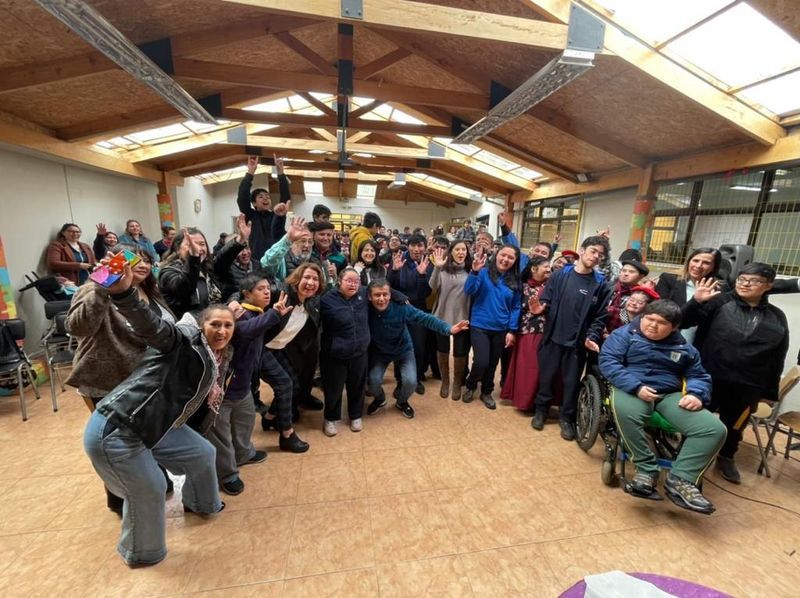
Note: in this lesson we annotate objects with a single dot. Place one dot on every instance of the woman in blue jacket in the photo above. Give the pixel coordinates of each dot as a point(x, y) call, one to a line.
point(653, 368)
point(343, 356)
point(495, 292)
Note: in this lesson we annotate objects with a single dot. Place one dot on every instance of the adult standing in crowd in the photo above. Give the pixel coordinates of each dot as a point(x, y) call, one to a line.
point(104, 241)
point(325, 253)
point(743, 341)
point(291, 250)
point(450, 271)
point(343, 353)
point(134, 235)
point(466, 232)
point(167, 235)
point(67, 256)
point(267, 221)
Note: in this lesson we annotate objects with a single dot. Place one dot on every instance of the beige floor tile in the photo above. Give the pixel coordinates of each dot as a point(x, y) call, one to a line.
point(353, 584)
point(456, 465)
point(444, 577)
point(329, 537)
point(32, 503)
point(272, 589)
point(336, 476)
point(238, 548)
point(393, 471)
point(514, 571)
point(409, 527)
point(267, 485)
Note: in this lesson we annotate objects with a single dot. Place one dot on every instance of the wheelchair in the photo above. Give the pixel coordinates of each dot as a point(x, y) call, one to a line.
point(595, 418)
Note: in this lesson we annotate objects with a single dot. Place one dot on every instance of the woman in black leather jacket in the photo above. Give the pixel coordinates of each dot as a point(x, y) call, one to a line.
point(140, 424)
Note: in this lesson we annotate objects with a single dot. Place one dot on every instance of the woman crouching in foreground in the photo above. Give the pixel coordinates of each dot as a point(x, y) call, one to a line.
point(140, 424)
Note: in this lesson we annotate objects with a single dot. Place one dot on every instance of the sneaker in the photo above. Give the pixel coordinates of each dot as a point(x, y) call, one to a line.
point(468, 394)
point(375, 405)
point(537, 423)
point(293, 444)
point(258, 457)
point(686, 495)
point(486, 399)
point(355, 424)
point(726, 467)
point(329, 427)
point(644, 483)
point(406, 409)
point(268, 424)
point(420, 389)
point(567, 430)
point(233, 487)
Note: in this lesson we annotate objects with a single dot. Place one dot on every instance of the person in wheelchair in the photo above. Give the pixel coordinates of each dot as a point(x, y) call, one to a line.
point(651, 368)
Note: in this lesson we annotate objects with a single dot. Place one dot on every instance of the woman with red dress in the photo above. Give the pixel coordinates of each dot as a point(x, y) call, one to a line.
point(522, 381)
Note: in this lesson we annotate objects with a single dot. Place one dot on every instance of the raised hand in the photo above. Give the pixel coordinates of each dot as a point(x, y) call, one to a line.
point(606, 232)
point(280, 305)
point(397, 261)
point(706, 289)
point(191, 246)
point(283, 208)
point(125, 281)
point(422, 267)
point(101, 229)
point(359, 266)
point(459, 327)
point(439, 257)
point(502, 218)
point(252, 164)
point(278, 163)
point(479, 261)
point(591, 345)
point(297, 228)
point(557, 238)
point(243, 227)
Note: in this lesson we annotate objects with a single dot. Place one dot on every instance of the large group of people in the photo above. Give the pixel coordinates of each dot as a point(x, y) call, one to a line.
point(171, 356)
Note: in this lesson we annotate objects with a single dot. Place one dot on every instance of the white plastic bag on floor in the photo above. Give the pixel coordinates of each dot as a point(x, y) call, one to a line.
point(616, 584)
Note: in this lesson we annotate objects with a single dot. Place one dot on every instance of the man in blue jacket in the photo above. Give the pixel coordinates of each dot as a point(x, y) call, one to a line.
point(653, 368)
point(575, 302)
point(391, 342)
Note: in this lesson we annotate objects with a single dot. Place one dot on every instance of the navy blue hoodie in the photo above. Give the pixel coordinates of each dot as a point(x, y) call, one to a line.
point(248, 343)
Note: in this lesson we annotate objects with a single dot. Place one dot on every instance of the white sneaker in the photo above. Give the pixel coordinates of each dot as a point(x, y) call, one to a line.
point(355, 425)
point(329, 427)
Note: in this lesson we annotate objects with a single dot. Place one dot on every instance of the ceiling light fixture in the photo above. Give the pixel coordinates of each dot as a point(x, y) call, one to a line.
point(399, 180)
point(584, 38)
point(95, 29)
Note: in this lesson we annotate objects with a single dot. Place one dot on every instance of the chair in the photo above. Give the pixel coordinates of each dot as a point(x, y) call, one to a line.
point(14, 363)
point(59, 352)
point(770, 416)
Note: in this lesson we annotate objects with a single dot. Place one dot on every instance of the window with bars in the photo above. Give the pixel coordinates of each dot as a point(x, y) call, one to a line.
point(759, 208)
point(542, 222)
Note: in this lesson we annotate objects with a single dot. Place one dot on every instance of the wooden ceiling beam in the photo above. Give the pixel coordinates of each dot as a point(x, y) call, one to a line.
point(186, 44)
point(366, 108)
point(751, 122)
point(152, 152)
point(381, 64)
point(233, 74)
point(279, 143)
point(314, 59)
point(403, 15)
point(201, 157)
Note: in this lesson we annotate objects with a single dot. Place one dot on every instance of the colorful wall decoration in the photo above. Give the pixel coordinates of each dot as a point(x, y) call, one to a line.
point(8, 308)
point(165, 213)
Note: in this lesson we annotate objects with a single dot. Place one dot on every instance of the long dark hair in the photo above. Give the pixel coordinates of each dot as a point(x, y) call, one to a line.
point(450, 266)
point(375, 269)
point(711, 250)
point(61, 236)
point(533, 263)
point(173, 255)
point(511, 277)
point(149, 285)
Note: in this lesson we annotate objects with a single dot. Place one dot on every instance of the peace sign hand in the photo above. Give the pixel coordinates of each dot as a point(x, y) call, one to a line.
point(478, 262)
point(281, 307)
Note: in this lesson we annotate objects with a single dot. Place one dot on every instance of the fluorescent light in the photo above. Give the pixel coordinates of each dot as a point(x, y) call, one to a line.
point(745, 188)
point(95, 29)
point(317, 152)
point(363, 155)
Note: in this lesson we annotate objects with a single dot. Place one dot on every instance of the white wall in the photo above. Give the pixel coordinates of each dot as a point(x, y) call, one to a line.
point(183, 200)
point(37, 196)
point(612, 209)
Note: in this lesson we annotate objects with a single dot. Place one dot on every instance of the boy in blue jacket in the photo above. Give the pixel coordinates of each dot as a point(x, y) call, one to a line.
point(391, 342)
point(234, 423)
point(653, 368)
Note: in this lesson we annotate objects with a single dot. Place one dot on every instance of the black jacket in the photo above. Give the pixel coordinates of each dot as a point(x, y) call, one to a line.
point(594, 312)
point(170, 384)
point(738, 343)
point(307, 336)
point(267, 227)
point(671, 287)
point(345, 324)
point(185, 290)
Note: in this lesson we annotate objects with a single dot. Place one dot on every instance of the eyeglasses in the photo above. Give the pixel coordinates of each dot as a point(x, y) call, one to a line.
point(750, 282)
point(74, 230)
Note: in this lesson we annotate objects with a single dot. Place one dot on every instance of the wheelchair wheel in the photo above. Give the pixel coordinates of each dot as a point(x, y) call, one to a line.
point(608, 473)
point(589, 410)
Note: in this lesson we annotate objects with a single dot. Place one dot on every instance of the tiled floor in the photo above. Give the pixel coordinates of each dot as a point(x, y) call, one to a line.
point(460, 501)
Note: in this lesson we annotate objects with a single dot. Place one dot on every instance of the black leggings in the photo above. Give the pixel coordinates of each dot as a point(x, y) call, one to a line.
point(461, 344)
point(486, 348)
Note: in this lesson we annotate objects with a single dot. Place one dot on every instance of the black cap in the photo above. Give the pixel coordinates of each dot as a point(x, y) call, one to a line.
point(643, 270)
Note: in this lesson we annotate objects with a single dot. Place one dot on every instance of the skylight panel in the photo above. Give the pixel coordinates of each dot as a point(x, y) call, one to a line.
point(280, 105)
point(359, 101)
point(527, 173)
point(658, 20)
point(781, 95)
point(440, 182)
point(462, 189)
point(366, 190)
point(124, 143)
point(462, 148)
point(739, 46)
point(106, 145)
point(310, 110)
point(383, 112)
point(312, 188)
point(158, 133)
point(402, 117)
point(418, 175)
point(495, 160)
point(196, 127)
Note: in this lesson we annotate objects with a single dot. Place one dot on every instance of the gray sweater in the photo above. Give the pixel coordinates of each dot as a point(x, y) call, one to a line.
point(452, 304)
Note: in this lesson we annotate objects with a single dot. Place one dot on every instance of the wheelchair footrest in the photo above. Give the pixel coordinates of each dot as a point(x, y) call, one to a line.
point(654, 495)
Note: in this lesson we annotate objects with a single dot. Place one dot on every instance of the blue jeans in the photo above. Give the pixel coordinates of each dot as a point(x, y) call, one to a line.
point(130, 470)
point(408, 375)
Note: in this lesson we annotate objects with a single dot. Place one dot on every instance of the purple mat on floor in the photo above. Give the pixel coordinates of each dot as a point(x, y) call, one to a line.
point(671, 585)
